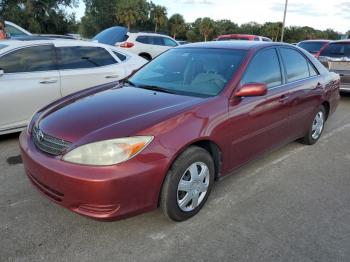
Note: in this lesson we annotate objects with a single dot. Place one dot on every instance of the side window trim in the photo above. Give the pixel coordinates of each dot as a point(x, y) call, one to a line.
point(55, 60)
point(58, 57)
point(307, 61)
point(279, 63)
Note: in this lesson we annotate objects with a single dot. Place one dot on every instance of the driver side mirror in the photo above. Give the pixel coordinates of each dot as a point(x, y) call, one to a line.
point(252, 89)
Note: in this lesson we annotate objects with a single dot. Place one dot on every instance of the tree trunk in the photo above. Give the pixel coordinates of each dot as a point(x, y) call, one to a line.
point(205, 38)
point(128, 27)
point(156, 28)
point(174, 36)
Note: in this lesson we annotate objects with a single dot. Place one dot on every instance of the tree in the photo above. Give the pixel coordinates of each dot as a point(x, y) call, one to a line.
point(206, 27)
point(44, 16)
point(251, 28)
point(272, 30)
point(129, 12)
point(99, 15)
point(159, 15)
point(223, 27)
point(176, 25)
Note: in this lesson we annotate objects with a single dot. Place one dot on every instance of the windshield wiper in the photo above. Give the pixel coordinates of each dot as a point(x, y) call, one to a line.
point(128, 82)
point(157, 88)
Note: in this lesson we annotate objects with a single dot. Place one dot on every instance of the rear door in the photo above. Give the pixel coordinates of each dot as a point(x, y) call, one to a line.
point(304, 83)
point(259, 123)
point(30, 81)
point(82, 67)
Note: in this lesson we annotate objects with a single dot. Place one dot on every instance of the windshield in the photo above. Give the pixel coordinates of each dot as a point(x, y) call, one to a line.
point(337, 50)
point(2, 46)
point(312, 47)
point(191, 71)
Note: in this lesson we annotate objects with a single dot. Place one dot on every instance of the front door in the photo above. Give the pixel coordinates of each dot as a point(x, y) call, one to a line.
point(29, 82)
point(259, 123)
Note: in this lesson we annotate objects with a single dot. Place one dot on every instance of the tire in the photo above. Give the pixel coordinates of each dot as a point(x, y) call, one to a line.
point(316, 127)
point(146, 56)
point(189, 169)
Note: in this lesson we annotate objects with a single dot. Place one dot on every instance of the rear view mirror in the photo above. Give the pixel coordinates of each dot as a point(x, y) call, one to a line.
point(252, 89)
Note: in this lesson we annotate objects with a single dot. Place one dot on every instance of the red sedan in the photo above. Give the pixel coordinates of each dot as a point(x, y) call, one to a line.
point(163, 136)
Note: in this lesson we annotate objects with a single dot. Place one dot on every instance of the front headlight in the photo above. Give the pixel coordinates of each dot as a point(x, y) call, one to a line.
point(108, 152)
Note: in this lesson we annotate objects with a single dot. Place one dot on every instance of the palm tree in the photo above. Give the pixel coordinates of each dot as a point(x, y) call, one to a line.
point(177, 25)
point(159, 14)
point(129, 12)
point(206, 27)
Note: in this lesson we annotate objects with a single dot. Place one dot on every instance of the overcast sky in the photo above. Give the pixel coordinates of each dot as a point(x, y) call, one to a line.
point(320, 14)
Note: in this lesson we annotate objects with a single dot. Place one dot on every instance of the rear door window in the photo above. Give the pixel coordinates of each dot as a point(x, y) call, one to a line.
point(169, 42)
point(143, 39)
point(78, 57)
point(29, 59)
point(264, 68)
point(337, 50)
point(297, 67)
point(120, 56)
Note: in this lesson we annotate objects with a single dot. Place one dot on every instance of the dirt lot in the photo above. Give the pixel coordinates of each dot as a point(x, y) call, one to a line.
point(291, 205)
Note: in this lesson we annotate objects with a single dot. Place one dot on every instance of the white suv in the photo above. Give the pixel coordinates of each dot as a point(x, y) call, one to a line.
point(146, 45)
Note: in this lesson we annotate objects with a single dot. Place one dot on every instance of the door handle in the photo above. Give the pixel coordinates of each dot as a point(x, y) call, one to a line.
point(49, 81)
point(111, 76)
point(283, 99)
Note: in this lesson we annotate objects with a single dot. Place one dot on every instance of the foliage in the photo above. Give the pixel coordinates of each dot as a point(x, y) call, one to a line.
point(51, 16)
point(176, 25)
point(207, 27)
point(130, 12)
point(40, 16)
point(158, 14)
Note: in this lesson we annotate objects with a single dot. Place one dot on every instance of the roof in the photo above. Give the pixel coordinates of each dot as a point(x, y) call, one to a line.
point(316, 40)
point(13, 43)
point(242, 45)
point(146, 33)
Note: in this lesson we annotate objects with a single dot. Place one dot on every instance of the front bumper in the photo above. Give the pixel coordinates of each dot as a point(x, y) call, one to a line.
point(102, 193)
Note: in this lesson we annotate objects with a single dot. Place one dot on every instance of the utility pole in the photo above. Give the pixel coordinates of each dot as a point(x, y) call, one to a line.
point(284, 20)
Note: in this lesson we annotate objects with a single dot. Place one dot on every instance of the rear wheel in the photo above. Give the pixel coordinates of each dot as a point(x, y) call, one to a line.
point(316, 127)
point(187, 185)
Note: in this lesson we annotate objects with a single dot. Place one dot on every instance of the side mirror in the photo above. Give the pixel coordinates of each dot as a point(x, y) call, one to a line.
point(1, 72)
point(252, 89)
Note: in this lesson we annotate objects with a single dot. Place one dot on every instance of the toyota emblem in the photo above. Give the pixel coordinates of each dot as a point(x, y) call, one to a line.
point(40, 135)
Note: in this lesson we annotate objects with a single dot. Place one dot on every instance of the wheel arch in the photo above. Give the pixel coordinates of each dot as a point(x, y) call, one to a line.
point(327, 107)
point(145, 54)
point(207, 144)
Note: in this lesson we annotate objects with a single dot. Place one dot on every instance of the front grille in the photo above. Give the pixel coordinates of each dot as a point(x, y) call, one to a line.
point(49, 144)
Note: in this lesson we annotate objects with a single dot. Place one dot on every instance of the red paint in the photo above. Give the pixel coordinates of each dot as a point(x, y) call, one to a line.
point(252, 89)
point(242, 129)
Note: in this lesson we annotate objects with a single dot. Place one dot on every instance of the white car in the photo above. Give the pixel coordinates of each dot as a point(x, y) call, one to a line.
point(15, 30)
point(35, 73)
point(146, 45)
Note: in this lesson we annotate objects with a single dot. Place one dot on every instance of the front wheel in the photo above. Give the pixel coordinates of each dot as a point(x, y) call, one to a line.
point(187, 185)
point(316, 127)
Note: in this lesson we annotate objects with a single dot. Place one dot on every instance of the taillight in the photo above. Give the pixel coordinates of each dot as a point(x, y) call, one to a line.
point(127, 45)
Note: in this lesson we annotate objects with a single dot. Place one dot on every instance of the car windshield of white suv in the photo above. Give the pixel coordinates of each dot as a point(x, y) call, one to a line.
point(190, 71)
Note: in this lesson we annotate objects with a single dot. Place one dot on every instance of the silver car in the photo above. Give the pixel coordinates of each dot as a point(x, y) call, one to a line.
point(336, 57)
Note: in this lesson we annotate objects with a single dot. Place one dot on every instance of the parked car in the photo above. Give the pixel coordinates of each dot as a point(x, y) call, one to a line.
point(313, 46)
point(14, 30)
point(146, 45)
point(194, 114)
point(31, 75)
point(243, 37)
point(18, 33)
point(336, 57)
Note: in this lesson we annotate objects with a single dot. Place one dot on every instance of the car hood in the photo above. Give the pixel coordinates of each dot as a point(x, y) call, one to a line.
point(117, 112)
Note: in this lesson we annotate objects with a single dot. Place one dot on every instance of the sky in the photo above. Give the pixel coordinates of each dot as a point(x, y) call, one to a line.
point(320, 14)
